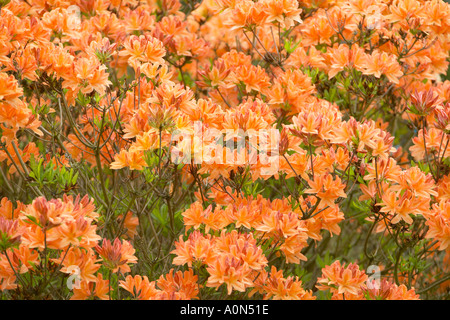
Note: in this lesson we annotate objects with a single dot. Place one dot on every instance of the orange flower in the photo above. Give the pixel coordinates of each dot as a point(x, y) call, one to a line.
point(254, 78)
point(342, 57)
point(404, 9)
point(84, 260)
point(415, 180)
point(79, 232)
point(324, 217)
point(67, 221)
point(383, 170)
point(140, 287)
point(340, 279)
point(247, 14)
point(390, 291)
point(195, 217)
point(401, 208)
point(9, 89)
point(132, 159)
point(216, 77)
point(433, 138)
point(143, 48)
point(88, 75)
point(280, 224)
point(196, 248)
point(327, 189)
point(443, 189)
point(98, 288)
point(242, 215)
point(275, 286)
point(10, 233)
point(284, 12)
point(138, 20)
point(290, 91)
point(379, 63)
point(229, 270)
point(293, 245)
point(317, 29)
point(438, 222)
point(424, 102)
point(185, 284)
point(7, 274)
point(117, 256)
point(242, 246)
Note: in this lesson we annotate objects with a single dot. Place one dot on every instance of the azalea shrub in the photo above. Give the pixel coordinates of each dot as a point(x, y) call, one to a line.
point(224, 149)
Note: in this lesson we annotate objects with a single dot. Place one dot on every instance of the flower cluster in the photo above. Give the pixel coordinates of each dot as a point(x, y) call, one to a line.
point(224, 149)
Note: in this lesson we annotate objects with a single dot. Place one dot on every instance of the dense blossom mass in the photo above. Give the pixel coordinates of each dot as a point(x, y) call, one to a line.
point(219, 149)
